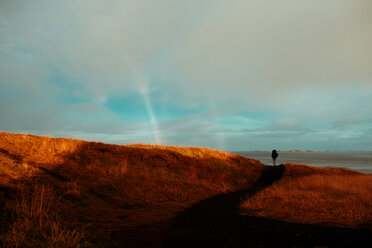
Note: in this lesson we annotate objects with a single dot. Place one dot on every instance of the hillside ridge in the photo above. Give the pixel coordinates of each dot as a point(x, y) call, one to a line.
point(61, 192)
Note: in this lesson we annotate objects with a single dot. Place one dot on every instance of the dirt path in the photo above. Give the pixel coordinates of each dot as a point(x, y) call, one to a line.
point(215, 222)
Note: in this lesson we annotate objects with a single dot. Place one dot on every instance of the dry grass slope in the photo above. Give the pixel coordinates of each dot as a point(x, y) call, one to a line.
point(310, 195)
point(36, 224)
point(65, 193)
point(57, 192)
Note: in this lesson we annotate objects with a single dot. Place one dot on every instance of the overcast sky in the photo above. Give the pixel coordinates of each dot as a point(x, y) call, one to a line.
point(231, 75)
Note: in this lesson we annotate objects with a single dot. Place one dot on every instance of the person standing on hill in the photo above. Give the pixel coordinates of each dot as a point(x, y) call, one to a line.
point(274, 155)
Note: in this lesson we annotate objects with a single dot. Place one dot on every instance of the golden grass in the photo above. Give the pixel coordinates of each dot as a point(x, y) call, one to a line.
point(312, 195)
point(61, 186)
point(35, 222)
point(165, 172)
point(156, 174)
point(32, 148)
point(91, 182)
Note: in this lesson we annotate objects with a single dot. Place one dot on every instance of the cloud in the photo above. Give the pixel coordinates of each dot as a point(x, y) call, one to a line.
point(99, 44)
point(286, 123)
point(270, 50)
point(237, 49)
point(74, 66)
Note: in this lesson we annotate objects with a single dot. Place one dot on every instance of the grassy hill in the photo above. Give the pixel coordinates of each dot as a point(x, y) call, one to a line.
point(57, 192)
point(65, 192)
point(311, 195)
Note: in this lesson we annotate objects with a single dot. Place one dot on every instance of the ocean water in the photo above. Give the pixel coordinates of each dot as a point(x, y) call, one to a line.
point(355, 160)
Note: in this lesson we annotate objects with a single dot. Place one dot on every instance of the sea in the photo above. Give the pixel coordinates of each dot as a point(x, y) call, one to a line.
point(356, 160)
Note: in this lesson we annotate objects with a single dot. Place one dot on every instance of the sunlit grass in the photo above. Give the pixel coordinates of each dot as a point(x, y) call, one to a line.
point(34, 222)
point(75, 181)
point(60, 185)
point(316, 196)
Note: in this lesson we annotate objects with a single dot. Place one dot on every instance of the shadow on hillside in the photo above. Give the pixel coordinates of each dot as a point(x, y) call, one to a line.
point(215, 222)
point(17, 158)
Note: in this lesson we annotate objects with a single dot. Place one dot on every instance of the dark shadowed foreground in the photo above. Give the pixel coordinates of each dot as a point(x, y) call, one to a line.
point(216, 222)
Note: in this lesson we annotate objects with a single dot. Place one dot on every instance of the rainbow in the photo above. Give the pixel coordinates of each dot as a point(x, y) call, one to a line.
point(144, 90)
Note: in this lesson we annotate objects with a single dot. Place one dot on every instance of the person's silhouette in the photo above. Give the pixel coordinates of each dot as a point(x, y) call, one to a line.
point(274, 155)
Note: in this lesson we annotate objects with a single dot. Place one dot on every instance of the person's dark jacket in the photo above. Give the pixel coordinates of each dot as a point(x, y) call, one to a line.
point(274, 154)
